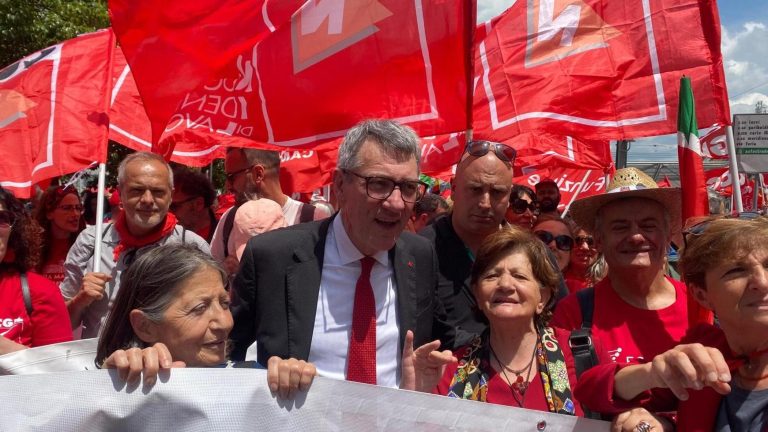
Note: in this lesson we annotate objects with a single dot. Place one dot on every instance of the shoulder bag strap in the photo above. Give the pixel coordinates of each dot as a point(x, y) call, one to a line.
point(580, 341)
point(26, 294)
point(307, 213)
point(229, 223)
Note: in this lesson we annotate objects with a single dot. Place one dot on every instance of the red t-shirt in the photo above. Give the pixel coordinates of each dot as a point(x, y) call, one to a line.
point(500, 393)
point(626, 332)
point(575, 282)
point(49, 322)
point(53, 268)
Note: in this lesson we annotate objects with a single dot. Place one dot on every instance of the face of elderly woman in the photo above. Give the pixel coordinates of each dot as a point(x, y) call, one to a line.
point(508, 290)
point(196, 325)
point(737, 291)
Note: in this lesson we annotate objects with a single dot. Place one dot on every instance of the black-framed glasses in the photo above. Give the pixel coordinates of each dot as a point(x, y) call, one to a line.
point(519, 206)
point(700, 227)
point(562, 242)
point(176, 204)
point(588, 239)
point(381, 188)
point(7, 219)
point(231, 176)
point(71, 207)
point(480, 148)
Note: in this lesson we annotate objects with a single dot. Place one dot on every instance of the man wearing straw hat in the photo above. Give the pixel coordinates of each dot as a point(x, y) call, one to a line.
point(637, 311)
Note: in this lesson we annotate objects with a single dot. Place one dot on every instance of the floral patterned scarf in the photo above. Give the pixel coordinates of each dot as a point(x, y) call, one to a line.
point(471, 378)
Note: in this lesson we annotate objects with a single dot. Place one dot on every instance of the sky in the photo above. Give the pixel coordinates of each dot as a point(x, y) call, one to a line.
point(744, 31)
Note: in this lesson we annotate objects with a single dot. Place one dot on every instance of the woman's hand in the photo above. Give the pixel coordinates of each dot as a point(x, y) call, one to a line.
point(423, 368)
point(286, 376)
point(691, 366)
point(640, 420)
point(131, 363)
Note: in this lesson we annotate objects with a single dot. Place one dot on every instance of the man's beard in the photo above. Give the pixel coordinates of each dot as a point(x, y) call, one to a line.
point(548, 205)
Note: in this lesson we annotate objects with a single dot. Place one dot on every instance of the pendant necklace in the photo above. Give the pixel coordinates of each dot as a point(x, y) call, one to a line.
point(520, 384)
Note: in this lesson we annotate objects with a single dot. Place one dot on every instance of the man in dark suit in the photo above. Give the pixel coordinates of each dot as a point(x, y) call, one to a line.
point(314, 291)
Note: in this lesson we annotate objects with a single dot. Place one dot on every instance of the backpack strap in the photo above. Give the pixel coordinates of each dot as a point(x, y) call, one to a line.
point(307, 213)
point(229, 224)
point(26, 294)
point(580, 340)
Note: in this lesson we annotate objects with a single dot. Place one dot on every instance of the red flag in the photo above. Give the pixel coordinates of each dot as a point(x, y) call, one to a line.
point(298, 76)
point(597, 69)
point(713, 142)
point(664, 183)
point(53, 104)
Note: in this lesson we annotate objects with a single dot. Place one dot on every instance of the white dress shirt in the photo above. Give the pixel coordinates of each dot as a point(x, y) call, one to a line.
point(333, 318)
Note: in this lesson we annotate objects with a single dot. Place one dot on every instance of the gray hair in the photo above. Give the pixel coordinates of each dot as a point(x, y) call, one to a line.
point(150, 284)
point(142, 157)
point(395, 140)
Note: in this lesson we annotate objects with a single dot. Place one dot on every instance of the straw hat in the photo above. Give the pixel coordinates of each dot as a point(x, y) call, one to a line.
point(629, 183)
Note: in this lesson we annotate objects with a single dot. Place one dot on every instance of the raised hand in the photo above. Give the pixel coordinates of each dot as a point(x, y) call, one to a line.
point(423, 368)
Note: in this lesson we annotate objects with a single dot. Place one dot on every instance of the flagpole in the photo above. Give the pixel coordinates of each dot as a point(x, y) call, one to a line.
point(99, 218)
point(576, 195)
point(756, 181)
point(736, 187)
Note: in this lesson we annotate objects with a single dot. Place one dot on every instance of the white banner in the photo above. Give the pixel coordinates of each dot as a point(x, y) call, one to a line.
point(238, 399)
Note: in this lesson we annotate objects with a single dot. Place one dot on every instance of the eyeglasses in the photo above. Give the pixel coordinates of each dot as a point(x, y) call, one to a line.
point(381, 188)
point(70, 207)
point(589, 240)
point(700, 227)
point(7, 219)
point(231, 176)
point(519, 206)
point(177, 204)
point(480, 148)
point(562, 242)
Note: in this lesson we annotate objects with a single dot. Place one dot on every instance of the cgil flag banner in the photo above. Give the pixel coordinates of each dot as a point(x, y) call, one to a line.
point(303, 72)
point(53, 111)
point(597, 69)
point(239, 399)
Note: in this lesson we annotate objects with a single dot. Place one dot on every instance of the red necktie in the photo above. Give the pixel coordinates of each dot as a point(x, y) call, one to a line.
point(361, 361)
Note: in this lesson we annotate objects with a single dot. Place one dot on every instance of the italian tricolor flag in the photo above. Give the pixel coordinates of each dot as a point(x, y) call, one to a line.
point(692, 179)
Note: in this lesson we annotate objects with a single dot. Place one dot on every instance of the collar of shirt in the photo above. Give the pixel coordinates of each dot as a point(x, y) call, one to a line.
point(348, 252)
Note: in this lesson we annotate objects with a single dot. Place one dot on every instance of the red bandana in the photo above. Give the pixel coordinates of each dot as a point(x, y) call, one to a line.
point(127, 240)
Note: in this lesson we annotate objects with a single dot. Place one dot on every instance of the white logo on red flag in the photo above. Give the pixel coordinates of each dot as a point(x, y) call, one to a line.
point(345, 23)
point(556, 34)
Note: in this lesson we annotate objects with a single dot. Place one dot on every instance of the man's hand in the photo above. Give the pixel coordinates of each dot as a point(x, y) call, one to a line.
point(131, 363)
point(93, 287)
point(284, 377)
point(423, 368)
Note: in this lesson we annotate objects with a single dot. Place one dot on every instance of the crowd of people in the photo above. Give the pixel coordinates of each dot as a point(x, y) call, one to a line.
point(492, 295)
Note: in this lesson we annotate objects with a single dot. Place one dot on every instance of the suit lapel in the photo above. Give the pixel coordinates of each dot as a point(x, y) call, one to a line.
point(302, 291)
point(405, 279)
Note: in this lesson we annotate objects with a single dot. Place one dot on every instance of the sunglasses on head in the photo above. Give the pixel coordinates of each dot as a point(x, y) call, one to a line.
point(519, 206)
point(562, 242)
point(589, 240)
point(7, 219)
point(699, 228)
point(480, 148)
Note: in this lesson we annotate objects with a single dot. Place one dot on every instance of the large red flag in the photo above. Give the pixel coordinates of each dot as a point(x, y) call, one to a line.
point(713, 142)
point(313, 73)
point(597, 69)
point(53, 111)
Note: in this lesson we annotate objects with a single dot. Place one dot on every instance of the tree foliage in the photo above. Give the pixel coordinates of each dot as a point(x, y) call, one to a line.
point(27, 26)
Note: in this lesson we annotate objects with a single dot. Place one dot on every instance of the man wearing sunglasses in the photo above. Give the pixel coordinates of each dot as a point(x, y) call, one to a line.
point(145, 184)
point(254, 174)
point(637, 311)
point(343, 292)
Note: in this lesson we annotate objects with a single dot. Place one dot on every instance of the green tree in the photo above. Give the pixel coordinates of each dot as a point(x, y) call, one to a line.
point(27, 26)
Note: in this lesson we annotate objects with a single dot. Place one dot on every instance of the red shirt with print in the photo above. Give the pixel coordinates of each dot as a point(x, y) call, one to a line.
point(49, 322)
point(53, 268)
point(626, 332)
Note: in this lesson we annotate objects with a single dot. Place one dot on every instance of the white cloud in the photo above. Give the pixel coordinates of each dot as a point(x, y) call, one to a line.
point(745, 54)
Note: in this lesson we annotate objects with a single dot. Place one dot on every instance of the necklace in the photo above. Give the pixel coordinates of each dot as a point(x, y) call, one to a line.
point(520, 384)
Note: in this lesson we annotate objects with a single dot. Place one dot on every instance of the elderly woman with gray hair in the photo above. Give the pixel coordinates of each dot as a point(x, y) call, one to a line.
point(172, 310)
